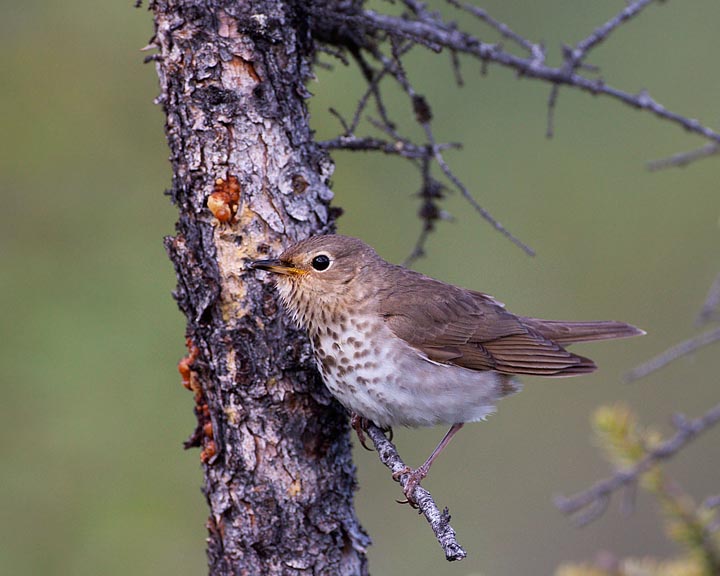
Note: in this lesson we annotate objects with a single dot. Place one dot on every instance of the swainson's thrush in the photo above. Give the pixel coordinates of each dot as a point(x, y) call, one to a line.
point(399, 348)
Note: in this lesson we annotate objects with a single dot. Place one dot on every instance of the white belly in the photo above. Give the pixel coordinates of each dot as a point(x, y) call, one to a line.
point(395, 385)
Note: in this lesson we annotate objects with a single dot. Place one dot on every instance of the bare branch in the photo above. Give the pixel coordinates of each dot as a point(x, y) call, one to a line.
point(439, 520)
point(683, 349)
point(436, 34)
point(403, 147)
point(591, 503)
point(365, 34)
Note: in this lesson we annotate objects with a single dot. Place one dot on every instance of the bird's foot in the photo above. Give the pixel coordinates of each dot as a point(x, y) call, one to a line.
point(413, 481)
point(360, 424)
point(396, 475)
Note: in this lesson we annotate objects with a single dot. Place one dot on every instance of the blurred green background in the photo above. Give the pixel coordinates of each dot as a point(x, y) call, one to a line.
point(93, 477)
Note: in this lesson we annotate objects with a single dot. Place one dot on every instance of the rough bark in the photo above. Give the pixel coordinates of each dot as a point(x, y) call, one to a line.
point(279, 478)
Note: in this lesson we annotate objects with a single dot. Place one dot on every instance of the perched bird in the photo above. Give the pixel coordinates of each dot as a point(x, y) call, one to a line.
point(397, 347)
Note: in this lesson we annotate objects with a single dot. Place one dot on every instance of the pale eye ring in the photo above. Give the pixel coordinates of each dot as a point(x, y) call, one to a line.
point(321, 262)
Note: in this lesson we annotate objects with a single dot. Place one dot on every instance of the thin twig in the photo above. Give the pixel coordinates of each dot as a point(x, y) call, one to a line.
point(501, 27)
point(592, 502)
point(711, 503)
point(475, 204)
point(682, 349)
point(552, 102)
point(455, 61)
point(337, 53)
point(340, 118)
point(684, 158)
point(373, 78)
point(418, 8)
point(602, 32)
point(439, 520)
point(711, 305)
point(431, 192)
point(418, 250)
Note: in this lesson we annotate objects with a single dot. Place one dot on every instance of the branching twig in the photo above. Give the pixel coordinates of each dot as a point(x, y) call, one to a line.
point(435, 34)
point(574, 57)
point(439, 520)
point(372, 32)
point(683, 349)
point(374, 78)
point(423, 117)
point(591, 503)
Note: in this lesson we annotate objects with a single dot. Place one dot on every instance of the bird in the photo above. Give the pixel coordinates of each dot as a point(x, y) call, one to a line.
point(398, 348)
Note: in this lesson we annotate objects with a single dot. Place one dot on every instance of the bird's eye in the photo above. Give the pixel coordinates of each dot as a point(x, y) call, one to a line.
point(321, 262)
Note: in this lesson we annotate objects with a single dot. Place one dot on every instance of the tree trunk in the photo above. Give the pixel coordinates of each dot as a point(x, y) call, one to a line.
point(279, 478)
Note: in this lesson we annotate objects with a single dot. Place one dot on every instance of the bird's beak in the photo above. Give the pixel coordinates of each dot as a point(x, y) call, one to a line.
point(276, 266)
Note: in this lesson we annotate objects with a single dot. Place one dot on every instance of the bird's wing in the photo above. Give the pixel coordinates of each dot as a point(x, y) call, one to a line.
point(472, 330)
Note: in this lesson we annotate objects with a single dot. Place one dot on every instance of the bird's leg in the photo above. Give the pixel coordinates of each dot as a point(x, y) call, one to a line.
point(419, 473)
point(359, 424)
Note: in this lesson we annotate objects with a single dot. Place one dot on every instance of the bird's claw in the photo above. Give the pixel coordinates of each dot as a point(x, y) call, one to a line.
point(396, 475)
point(359, 424)
point(413, 481)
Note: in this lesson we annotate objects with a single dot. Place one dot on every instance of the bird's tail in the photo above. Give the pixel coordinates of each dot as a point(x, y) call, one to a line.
point(569, 332)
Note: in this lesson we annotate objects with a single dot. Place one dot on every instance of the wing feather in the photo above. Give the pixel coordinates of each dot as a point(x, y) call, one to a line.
point(472, 330)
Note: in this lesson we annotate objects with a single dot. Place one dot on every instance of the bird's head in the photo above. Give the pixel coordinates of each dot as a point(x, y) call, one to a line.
point(325, 269)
